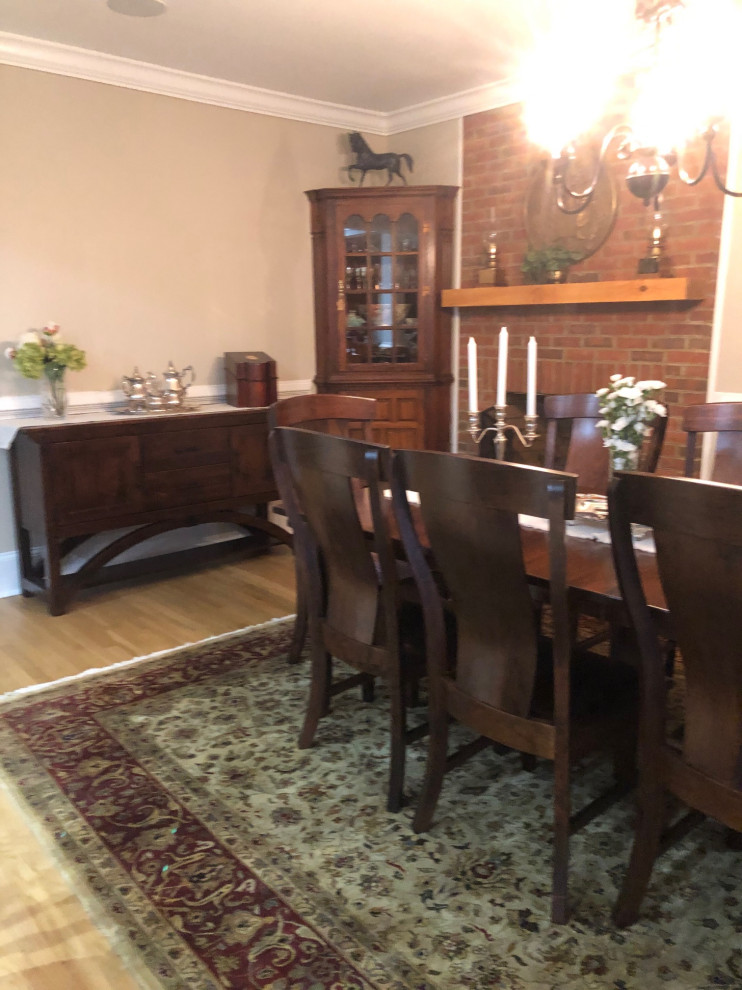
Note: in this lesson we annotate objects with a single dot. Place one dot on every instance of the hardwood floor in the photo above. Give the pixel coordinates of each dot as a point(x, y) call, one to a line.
point(47, 941)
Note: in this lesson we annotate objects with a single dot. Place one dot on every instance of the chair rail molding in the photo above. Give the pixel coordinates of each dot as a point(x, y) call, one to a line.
point(30, 404)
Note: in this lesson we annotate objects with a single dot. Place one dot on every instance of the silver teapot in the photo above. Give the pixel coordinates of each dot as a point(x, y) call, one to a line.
point(171, 394)
point(135, 389)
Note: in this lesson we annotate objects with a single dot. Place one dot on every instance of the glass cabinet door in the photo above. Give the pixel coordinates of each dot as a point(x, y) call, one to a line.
point(380, 289)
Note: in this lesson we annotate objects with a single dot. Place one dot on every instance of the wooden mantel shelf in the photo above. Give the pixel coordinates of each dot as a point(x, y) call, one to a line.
point(638, 290)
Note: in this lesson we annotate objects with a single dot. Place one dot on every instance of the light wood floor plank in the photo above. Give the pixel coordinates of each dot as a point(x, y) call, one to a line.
point(47, 940)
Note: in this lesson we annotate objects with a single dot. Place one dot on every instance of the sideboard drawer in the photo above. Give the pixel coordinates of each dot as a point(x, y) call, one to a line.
point(184, 486)
point(184, 448)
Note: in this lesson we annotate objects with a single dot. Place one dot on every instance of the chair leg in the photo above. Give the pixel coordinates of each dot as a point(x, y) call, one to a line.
point(670, 650)
point(624, 759)
point(398, 727)
point(368, 689)
point(650, 822)
point(562, 810)
point(319, 694)
point(300, 625)
point(434, 772)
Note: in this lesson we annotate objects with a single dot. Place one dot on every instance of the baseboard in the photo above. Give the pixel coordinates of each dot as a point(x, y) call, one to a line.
point(9, 576)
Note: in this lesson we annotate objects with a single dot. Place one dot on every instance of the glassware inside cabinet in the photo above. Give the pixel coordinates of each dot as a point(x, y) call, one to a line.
point(382, 269)
point(380, 234)
point(354, 233)
point(406, 273)
point(407, 233)
point(382, 346)
point(405, 347)
point(356, 344)
point(356, 274)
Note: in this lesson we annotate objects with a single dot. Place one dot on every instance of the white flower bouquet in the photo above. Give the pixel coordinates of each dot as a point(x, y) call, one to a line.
point(627, 408)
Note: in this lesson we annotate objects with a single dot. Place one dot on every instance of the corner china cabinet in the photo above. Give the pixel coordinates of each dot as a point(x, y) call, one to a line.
point(381, 259)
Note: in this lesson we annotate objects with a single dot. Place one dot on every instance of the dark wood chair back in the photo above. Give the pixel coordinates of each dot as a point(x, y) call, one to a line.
point(340, 415)
point(586, 456)
point(724, 419)
point(355, 606)
point(501, 678)
point(698, 534)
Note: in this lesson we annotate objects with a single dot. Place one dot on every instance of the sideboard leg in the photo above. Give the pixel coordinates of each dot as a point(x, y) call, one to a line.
point(54, 581)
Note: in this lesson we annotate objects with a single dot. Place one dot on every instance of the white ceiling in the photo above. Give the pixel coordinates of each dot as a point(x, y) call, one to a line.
point(380, 56)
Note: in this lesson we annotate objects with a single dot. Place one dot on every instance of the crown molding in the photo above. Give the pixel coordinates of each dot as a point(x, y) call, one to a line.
point(80, 63)
point(65, 60)
point(453, 107)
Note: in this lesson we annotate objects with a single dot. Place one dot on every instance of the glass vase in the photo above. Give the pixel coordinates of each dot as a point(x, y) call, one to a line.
point(622, 460)
point(53, 393)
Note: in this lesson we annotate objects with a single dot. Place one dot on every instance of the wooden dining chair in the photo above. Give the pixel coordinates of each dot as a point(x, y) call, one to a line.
point(341, 415)
point(698, 534)
point(585, 454)
point(501, 678)
point(574, 443)
point(725, 420)
point(357, 607)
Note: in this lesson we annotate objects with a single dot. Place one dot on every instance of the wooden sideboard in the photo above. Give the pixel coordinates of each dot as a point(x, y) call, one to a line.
point(72, 481)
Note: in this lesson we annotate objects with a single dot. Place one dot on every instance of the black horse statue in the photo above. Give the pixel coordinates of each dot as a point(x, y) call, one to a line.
point(368, 161)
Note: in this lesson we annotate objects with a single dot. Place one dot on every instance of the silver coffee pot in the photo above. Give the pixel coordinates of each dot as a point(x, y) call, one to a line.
point(134, 387)
point(171, 393)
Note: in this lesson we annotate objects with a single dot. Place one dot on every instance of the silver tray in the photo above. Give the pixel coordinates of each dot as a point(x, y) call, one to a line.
point(175, 410)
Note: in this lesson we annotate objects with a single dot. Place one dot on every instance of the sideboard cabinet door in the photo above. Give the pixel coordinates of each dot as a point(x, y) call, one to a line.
point(93, 479)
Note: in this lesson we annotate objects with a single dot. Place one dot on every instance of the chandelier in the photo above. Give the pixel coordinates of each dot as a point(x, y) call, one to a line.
point(671, 96)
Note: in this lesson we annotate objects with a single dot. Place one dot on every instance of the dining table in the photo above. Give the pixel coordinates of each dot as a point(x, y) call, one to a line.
point(591, 576)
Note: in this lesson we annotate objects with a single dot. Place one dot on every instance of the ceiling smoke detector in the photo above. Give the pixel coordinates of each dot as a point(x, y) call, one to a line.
point(138, 8)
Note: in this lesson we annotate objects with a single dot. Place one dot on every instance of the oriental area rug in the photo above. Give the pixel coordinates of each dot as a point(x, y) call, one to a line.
point(224, 857)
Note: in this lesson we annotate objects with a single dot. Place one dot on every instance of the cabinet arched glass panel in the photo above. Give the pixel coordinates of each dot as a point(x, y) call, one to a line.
point(380, 289)
point(354, 231)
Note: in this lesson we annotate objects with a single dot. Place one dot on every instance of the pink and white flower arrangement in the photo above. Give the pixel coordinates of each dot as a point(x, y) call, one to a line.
point(44, 352)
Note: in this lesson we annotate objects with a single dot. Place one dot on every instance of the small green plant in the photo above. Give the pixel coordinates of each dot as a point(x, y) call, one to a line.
point(540, 264)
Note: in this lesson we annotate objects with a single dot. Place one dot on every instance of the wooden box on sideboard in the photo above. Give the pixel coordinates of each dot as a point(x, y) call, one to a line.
point(251, 378)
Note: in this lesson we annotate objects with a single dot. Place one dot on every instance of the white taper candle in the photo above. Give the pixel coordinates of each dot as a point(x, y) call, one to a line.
point(471, 353)
point(502, 367)
point(531, 378)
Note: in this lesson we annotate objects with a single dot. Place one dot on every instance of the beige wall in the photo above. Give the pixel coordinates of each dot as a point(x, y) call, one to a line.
point(153, 228)
point(435, 150)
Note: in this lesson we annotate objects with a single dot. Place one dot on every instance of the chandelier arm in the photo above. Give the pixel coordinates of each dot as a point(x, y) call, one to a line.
point(717, 179)
point(620, 130)
point(708, 159)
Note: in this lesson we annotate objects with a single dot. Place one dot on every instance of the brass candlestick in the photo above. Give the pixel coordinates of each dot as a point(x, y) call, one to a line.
point(500, 428)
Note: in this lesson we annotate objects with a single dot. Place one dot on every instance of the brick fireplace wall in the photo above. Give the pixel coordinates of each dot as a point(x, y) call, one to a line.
point(579, 347)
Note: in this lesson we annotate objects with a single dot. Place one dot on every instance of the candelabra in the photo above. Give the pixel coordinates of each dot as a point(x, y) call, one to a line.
point(500, 428)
